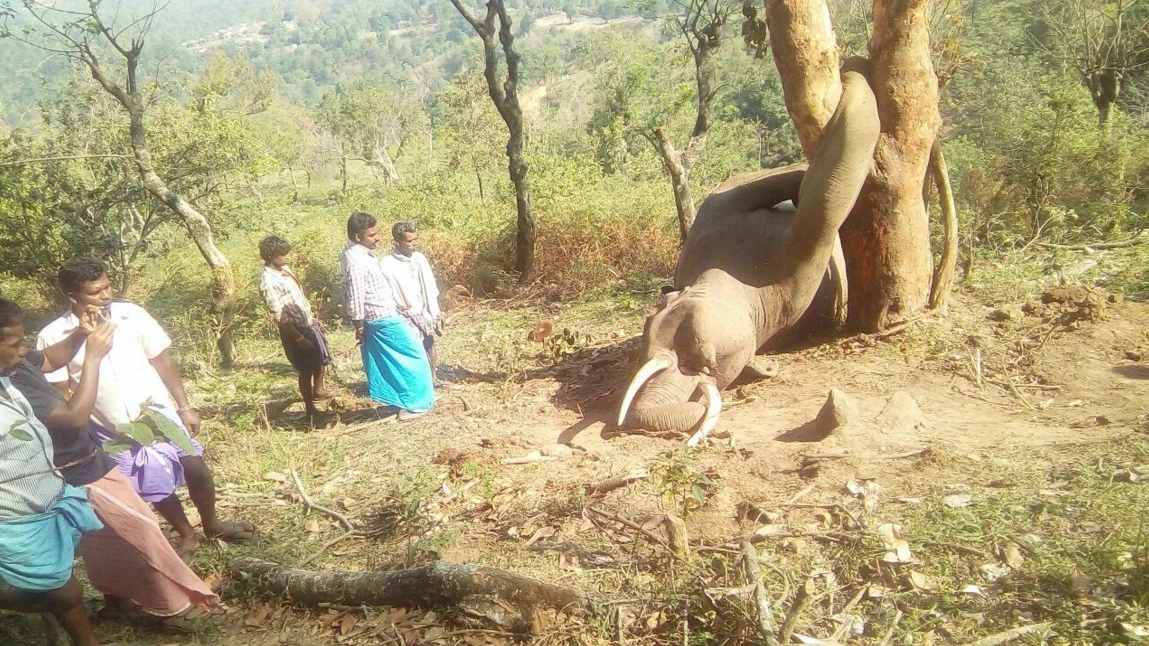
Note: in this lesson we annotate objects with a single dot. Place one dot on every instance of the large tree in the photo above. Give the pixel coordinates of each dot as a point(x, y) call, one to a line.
point(886, 237)
point(106, 49)
point(505, 95)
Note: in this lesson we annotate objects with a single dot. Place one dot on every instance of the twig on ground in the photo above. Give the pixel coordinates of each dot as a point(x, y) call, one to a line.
point(754, 580)
point(890, 331)
point(529, 459)
point(1009, 635)
point(617, 482)
point(636, 527)
point(801, 494)
point(801, 600)
point(328, 545)
point(308, 504)
point(831, 506)
point(1137, 239)
point(846, 610)
point(906, 454)
point(893, 627)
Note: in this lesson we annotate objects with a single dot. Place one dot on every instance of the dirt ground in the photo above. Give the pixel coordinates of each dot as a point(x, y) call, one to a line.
point(946, 406)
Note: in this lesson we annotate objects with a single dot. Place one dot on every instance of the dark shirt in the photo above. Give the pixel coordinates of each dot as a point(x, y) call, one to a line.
point(91, 463)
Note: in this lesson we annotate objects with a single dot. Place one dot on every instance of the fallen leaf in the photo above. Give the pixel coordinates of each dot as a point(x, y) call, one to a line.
point(919, 581)
point(897, 549)
point(347, 623)
point(258, 617)
point(850, 625)
point(275, 476)
point(972, 589)
point(540, 533)
point(1012, 556)
point(313, 526)
point(910, 501)
point(957, 501)
point(994, 571)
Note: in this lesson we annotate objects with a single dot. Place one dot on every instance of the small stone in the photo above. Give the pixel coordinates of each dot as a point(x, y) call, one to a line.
point(1134, 355)
point(1117, 299)
point(1000, 316)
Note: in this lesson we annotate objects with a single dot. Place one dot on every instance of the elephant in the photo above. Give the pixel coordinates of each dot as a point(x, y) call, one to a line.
point(754, 273)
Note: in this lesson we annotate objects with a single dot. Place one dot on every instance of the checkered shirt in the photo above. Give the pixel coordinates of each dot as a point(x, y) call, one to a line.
point(369, 295)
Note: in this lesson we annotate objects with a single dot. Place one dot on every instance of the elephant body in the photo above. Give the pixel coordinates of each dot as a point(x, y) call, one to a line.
point(754, 273)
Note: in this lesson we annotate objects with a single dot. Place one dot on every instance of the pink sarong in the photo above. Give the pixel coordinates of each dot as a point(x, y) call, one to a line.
point(131, 558)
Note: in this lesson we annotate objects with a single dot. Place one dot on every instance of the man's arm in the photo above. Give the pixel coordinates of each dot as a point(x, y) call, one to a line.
point(73, 414)
point(57, 355)
point(170, 375)
point(354, 287)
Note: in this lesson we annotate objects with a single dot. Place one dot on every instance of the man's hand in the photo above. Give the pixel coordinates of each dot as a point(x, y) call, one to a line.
point(439, 327)
point(360, 336)
point(190, 418)
point(99, 342)
point(89, 320)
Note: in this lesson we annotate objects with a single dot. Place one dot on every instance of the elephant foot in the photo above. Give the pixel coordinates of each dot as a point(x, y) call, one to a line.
point(760, 368)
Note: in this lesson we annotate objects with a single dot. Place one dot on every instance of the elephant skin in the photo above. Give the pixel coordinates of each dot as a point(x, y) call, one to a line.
point(754, 273)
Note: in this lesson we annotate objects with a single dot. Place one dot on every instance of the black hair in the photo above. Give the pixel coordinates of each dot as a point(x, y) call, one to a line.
point(77, 271)
point(273, 247)
point(10, 313)
point(358, 223)
point(399, 228)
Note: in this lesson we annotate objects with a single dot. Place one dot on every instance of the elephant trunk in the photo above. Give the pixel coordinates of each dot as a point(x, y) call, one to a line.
point(667, 417)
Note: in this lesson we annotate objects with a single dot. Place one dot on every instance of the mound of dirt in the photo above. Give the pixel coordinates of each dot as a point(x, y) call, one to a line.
point(1069, 305)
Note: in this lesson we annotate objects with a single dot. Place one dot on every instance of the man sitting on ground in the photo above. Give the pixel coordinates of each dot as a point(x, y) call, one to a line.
point(130, 559)
point(415, 288)
point(299, 332)
point(137, 373)
point(41, 516)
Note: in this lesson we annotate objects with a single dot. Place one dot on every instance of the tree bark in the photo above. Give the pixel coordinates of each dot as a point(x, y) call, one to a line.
point(294, 185)
point(222, 289)
point(505, 96)
point(679, 181)
point(944, 272)
point(886, 237)
point(438, 585)
point(806, 54)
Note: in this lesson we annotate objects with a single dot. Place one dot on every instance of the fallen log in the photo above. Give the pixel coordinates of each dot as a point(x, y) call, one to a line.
point(438, 585)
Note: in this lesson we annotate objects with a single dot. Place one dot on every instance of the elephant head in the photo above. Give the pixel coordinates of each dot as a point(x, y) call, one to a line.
point(749, 273)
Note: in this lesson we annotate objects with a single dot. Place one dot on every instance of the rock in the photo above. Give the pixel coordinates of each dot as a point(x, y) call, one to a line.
point(1117, 299)
point(901, 414)
point(1134, 355)
point(1000, 316)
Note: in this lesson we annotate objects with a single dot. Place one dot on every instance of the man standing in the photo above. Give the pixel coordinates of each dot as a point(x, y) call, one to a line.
point(302, 338)
point(137, 373)
point(41, 516)
point(398, 373)
point(410, 276)
point(130, 559)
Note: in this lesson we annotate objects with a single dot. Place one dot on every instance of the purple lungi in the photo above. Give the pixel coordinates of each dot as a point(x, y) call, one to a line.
point(155, 471)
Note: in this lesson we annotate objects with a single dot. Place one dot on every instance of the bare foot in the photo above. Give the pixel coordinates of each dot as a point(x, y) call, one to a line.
point(407, 416)
point(188, 544)
point(231, 532)
point(322, 394)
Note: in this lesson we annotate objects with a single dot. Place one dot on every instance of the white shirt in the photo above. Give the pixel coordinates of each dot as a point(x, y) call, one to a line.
point(127, 378)
point(413, 282)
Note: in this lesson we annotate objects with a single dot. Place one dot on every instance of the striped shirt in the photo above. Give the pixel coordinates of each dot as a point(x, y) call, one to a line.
point(284, 296)
point(369, 295)
point(29, 484)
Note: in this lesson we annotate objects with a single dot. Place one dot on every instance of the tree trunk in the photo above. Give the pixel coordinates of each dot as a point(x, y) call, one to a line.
point(944, 272)
point(222, 289)
point(806, 54)
point(679, 181)
point(886, 237)
point(507, 599)
point(505, 96)
point(382, 160)
point(294, 185)
point(343, 171)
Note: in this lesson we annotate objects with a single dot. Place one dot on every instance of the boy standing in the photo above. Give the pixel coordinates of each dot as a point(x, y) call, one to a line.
point(299, 331)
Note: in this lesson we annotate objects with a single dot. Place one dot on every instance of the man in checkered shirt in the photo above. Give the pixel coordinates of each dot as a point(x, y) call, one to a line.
point(398, 373)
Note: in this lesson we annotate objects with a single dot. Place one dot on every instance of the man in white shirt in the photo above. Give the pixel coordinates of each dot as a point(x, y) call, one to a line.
point(139, 373)
point(415, 289)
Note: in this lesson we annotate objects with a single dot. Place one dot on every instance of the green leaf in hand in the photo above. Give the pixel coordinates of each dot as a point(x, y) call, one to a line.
point(112, 447)
point(164, 427)
point(17, 431)
point(138, 431)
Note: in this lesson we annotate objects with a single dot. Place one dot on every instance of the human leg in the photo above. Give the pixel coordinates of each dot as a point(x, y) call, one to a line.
point(172, 511)
point(131, 559)
point(432, 357)
point(65, 603)
point(201, 488)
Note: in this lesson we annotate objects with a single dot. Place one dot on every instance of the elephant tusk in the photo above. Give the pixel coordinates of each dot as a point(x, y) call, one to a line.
point(713, 410)
point(660, 362)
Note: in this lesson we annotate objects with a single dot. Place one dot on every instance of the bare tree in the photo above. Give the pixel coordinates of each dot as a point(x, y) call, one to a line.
point(886, 237)
point(82, 35)
point(700, 22)
point(1104, 41)
point(505, 96)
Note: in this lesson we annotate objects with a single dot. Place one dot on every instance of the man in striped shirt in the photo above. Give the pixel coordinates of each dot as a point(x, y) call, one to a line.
point(398, 373)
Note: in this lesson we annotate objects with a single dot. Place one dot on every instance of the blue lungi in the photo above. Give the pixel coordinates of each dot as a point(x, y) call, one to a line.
point(398, 373)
